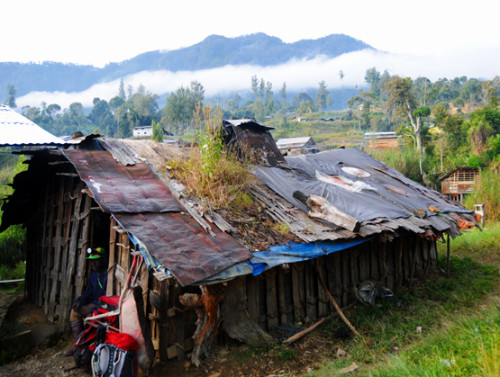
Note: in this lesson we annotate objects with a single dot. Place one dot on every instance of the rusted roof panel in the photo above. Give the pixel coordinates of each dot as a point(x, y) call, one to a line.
point(180, 244)
point(122, 189)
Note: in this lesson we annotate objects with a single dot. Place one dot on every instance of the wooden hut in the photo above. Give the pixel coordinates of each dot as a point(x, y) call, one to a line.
point(296, 145)
point(340, 217)
point(378, 141)
point(458, 183)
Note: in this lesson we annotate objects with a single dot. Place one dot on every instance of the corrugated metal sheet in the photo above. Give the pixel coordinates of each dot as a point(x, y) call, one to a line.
point(16, 130)
point(145, 207)
point(178, 242)
point(122, 189)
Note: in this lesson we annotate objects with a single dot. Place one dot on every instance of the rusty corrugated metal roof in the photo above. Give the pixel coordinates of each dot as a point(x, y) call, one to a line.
point(146, 208)
point(179, 243)
point(122, 189)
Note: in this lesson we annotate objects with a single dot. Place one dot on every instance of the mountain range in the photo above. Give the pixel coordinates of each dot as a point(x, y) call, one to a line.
point(214, 51)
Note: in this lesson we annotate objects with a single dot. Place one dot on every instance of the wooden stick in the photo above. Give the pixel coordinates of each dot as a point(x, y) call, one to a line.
point(299, 335)
point(448, 255)
point(337, 307)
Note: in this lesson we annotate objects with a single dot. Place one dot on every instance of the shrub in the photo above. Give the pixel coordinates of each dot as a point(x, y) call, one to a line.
point(486, 191)
point(211, 173)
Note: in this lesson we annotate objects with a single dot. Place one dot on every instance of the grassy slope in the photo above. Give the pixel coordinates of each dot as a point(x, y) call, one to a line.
point(442, 327)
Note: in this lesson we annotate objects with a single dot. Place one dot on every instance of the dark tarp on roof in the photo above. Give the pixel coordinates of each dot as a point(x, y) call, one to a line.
point(252, 139)
point(179, 242)
point(145, 207)
point(395, 196)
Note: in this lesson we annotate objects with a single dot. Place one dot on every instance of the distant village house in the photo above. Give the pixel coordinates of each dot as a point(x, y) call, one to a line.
point(458, 183)
point(296, 145)
point(377, 141)
point(147, 131)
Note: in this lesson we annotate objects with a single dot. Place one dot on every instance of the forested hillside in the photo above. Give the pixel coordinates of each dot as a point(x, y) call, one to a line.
point(213, 51)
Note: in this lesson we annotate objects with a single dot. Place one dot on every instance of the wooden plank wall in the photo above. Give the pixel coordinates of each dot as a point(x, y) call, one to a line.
point(283, 295)
point(55, 264)
point(294, 295)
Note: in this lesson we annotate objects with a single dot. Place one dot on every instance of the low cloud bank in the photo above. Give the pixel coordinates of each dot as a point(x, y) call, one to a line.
point(297, 74)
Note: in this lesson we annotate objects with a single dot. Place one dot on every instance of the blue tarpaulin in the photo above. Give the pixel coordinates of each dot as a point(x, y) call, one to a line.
point(278, 255)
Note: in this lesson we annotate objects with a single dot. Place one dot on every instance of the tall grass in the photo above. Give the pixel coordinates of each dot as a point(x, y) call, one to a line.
point(211, 173)
point(403, 160)
point(469, 347)
point(487, 191)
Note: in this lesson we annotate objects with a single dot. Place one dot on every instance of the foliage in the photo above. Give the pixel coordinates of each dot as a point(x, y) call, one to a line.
point(405, 161)
point(486, 191)
point(157, 131)
point(12, 245)
point(11, 240)
point(17, 271)
point(211, 173)
point(181, 106)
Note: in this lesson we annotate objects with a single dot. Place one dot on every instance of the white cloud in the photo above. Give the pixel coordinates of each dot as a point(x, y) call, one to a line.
point(298, 75)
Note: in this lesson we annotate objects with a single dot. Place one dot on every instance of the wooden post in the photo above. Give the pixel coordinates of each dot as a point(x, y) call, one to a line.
point(448, 267)
point(271, 299)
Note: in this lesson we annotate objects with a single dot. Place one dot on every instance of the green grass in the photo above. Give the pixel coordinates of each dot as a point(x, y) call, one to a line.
point(479, 245)
point(459, 319)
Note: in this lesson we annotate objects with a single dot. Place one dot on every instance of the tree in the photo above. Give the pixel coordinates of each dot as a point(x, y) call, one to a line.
point(299, 98)
point(282, 93)
point(306, 107)
point(121, 91)
point(255, 86)
point(341, 75)
point(11, 96)
point(321, 96)
point(181, 105)
point(157, 131)
point(402, 100)
point(269, 99)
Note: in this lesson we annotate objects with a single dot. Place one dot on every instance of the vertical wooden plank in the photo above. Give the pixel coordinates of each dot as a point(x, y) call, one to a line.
point(354, 267)
point(111, 287)
point(364, 262)
point(179, 323)
point(84, 243)
point(389, 264)
point(282, 306)
point(40, 259)
point(164, 311)
point(49, 251)
point(346, 281)
point(323, 301)
point(252, 302)
point(374, 254)
point(310, 294)
point(399, 263)
point(288, 295)
point(66, 294)
point(271, 299)
point(297, 292)
point(54, 273)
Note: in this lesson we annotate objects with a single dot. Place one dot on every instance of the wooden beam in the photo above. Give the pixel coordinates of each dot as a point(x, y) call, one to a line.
point(322, 209)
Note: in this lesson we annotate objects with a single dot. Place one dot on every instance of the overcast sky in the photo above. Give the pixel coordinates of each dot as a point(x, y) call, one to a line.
point(439, 37)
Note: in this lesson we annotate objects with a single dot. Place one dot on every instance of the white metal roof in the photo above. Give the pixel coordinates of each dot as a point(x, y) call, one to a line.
point(15, 129)
point(293, 140)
